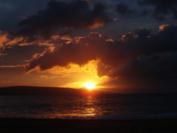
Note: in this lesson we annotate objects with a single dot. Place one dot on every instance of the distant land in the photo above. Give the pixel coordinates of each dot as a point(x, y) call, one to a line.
point(37, 90)
point(34, 90)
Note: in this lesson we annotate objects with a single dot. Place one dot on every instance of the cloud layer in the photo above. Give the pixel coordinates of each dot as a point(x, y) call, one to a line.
point(162, 8)
point(59, 16)
point(140, 56)
point(142, 59)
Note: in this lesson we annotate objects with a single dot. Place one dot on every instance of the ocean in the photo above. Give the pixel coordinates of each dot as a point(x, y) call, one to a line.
point(95, 105)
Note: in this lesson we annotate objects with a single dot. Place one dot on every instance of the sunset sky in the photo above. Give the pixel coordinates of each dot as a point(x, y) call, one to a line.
point(124, 45)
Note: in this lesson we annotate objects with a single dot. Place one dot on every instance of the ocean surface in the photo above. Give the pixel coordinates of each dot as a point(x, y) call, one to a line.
point(95, 105)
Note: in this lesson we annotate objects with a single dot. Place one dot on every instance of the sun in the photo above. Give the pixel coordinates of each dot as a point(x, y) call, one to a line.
point(90, 86)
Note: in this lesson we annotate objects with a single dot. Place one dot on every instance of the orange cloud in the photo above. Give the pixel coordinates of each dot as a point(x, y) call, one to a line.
point(97, 24)
point(73, 75)
point(7, 40)
point(163, 27)
point(3, 39)
point(12, 66)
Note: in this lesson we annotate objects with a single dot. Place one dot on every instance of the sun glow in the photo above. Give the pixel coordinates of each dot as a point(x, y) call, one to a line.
point(79, 76)
point(90, 86)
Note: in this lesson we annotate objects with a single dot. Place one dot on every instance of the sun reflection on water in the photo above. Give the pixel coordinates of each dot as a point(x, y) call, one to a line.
point(88, 109)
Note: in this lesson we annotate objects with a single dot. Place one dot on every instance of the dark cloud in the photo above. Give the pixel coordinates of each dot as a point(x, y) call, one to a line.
point(22, 53)
point(124, 10)
point(153, 65)
point(152, 72)
point(90, 47)
point(13, 11)
point(140, 58)
point(62, 15)
point(146, 43)
point(159, 9)
point(162, 8)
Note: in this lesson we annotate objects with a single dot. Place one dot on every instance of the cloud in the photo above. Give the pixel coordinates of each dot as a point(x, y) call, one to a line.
point(159, 9)
point(7, 40)
point(80, 51)
point(124, 10)
point(12, 66)
point(63, 16)
point(14, 11)
point(153, 66)
point(3, 39)
point(138, 59)
point(162, 9)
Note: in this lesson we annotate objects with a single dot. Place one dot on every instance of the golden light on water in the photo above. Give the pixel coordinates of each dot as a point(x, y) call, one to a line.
point(88, 109)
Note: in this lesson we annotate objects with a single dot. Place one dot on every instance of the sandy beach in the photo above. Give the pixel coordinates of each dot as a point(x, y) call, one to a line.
point(88, 126)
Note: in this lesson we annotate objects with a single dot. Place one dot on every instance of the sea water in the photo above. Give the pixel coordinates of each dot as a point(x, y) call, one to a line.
point(66, 105)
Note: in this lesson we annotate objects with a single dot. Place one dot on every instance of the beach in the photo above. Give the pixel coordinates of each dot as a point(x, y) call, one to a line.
point(88, 126)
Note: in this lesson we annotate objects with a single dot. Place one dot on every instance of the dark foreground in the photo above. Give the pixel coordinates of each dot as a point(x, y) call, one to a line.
point(88, 126)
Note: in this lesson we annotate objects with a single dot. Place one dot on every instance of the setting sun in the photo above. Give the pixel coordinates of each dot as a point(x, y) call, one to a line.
point(90, 86)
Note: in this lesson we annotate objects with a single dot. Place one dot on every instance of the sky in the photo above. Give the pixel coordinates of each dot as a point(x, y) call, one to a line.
point(123, 45)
